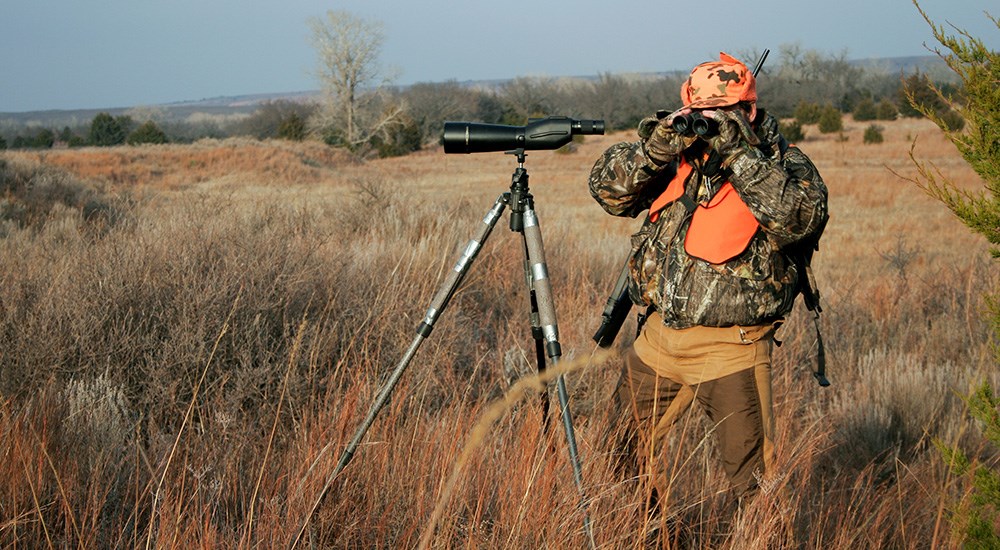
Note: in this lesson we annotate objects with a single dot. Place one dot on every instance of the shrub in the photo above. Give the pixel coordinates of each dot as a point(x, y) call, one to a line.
point(3, 143)
point(792, 131)
point(293, 128)
point(281, 119)
point(921, 96)
point(886, 110)
point(807, 112)
point(974, 520)
point(952, 120)
point(873, 134)
point(918, 89)
point(33, 192)
point(402, 138)
point(45, 139)
point(865, 110)
point(149, 132)
point(106, 130)
point(72, 139)
point(977, 515)
point(830, 120)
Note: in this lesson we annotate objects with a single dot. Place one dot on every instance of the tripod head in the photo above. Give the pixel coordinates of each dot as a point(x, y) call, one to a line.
point(541, 133)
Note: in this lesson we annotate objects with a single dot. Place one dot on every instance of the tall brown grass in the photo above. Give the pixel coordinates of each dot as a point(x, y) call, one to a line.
point(186, 372)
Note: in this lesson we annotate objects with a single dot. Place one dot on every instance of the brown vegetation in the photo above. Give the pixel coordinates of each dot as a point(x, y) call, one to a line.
point(171, 166)
point(186, 374)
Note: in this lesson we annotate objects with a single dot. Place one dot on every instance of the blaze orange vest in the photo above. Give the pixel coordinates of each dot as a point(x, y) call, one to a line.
point(720, 230)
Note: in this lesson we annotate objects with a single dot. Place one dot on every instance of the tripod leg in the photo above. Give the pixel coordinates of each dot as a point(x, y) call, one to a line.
point(438, 304)
point(550, 331)
point(536, 332)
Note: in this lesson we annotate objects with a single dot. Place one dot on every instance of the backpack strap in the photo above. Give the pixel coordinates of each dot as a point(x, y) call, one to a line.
point(810, 295)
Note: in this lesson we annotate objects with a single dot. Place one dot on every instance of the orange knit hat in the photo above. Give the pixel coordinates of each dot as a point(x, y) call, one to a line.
point(718, 84)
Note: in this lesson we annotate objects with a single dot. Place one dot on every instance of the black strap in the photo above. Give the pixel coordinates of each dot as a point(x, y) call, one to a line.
point(820, 373)
point(641, 319)
point(810, 295)
point(688, 203)
point(712, 165)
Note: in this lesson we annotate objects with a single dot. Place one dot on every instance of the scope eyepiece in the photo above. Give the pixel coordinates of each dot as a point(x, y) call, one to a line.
point(545, 133)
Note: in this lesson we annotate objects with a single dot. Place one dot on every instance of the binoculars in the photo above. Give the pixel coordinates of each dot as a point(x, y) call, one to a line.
point(695, 124)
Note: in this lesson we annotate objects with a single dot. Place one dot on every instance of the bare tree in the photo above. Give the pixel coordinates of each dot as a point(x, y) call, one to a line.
point(528, 97)
point(355, 106)
point(430, 104)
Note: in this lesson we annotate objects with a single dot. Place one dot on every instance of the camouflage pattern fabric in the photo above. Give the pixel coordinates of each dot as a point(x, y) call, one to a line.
point(718, 84)
point(783, 190)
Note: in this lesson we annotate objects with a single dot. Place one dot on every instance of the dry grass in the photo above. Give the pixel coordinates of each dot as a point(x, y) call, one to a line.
point(186, 373)
point(173, 166)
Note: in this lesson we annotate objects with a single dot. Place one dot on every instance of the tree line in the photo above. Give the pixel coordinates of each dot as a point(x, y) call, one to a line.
point(374, 118)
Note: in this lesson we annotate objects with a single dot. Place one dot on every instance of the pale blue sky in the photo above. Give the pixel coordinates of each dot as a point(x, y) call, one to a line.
point(69, 54)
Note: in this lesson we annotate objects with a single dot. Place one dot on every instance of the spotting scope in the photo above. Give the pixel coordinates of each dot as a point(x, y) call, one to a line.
point(543, 133)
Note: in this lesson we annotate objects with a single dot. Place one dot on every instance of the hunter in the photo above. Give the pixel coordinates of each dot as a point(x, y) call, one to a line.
point(712, 265)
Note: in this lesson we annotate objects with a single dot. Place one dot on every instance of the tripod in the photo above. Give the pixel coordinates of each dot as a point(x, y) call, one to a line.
point(544, 328)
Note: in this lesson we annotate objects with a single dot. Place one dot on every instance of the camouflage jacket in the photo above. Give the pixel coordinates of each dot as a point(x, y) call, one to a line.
point(779, 185)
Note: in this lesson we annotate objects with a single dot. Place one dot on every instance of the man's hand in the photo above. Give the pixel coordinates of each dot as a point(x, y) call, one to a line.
point(735, 134)
point(661, 143)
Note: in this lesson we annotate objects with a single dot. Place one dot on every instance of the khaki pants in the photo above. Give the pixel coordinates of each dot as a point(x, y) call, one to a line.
point(726, 370)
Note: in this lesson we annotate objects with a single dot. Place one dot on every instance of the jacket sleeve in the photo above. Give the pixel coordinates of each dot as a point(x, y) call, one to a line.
point(787, 196)
point(624, 181)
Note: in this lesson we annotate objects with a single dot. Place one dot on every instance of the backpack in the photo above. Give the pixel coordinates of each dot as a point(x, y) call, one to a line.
point(801, 254)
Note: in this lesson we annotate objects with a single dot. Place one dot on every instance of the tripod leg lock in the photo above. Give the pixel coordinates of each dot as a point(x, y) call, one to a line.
point(553, 349)
point(427, 325)
point(551, 333)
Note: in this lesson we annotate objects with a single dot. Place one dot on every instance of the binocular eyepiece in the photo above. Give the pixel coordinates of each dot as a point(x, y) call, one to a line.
point(695, 124)
point(544, 133)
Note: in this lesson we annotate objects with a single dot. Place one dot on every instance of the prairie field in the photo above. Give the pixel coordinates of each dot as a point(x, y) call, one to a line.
point(191, 335)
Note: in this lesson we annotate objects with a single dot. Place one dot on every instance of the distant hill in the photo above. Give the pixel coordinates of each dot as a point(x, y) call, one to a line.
point(931, 64)
point(251, 100)
point(235, 105)
point(180, 110)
